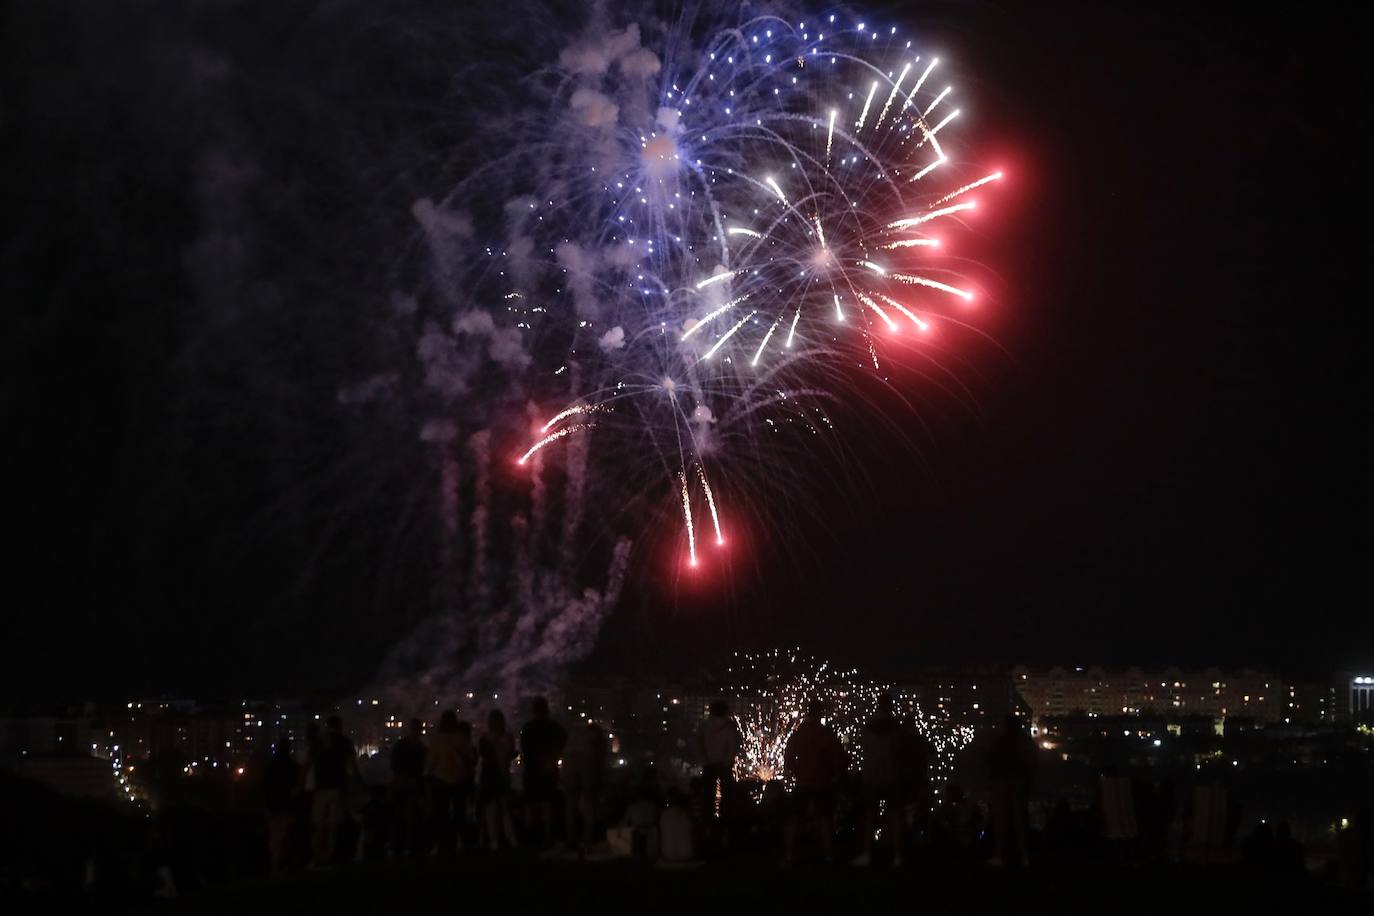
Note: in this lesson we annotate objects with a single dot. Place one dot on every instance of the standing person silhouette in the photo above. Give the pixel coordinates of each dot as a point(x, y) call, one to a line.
point(719, 742)
point(1011, 769)
point(335, 764)
point(448, 766)
point(814, 760)
point(467, 785)
point(282, 791)
point(541, 743)
point(407, 789)
point(496, 752)
point(884, 785)
point(915, 756)
point(584, 773)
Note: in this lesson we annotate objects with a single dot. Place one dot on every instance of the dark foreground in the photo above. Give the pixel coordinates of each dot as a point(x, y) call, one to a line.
point(520, 884)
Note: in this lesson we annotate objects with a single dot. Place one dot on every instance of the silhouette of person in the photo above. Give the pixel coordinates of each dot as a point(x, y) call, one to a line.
point(335, 763)
point(314, 738)
point(1258, 850)
point(915, 756)
point(449, 766)
point(955, 822)
point(1117, 806)
point(584, 772)
point(642, 814)
point(1289, 855)
point(407, 789)
point(884, 783)
point(467, 786)
point(541, 743)
point(677, 830)
point(1011, 770)
point(719, 743)
point(1161, 819)
point(281, 787)
point(814, 759)
point(496, 751)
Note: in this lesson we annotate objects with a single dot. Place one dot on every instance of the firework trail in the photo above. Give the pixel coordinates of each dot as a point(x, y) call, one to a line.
point(512, 603)
point(525, 614)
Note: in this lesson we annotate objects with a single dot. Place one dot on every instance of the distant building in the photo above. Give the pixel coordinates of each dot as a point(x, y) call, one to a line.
point(1361, 693)
point(1311, 703)
point(978, 699)
point(1094, 691)
point(67, 733)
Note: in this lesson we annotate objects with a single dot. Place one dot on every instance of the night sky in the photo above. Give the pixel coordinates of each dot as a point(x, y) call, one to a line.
point(1164, 459)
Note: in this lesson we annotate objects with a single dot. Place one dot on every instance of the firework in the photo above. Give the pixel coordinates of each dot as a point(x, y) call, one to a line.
point(771, 691)
point(670, 255)
point(726, 229)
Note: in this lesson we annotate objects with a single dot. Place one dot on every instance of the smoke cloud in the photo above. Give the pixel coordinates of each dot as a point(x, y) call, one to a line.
point(593, 108)
point(614, 339)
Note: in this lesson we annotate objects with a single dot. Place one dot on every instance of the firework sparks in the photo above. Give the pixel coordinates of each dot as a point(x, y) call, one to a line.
point(913, 221)
point(687, 518)
point(550, 439)
point(725, 184)
point(867, 102)
point(772, 690)
point(891, 325)
point(764, 343)
point(928, 169)
point(772, 183)
point(896, 87)
point(712, 316)
point(921, 81)
point(938, 127)
point(711, 281)
point(711, 504)
point(904, 310)
point(995, 176)
point(934, 284)
point(938, 99)
point(570, 412)
point(728, 334)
